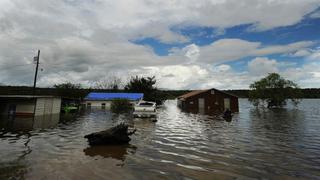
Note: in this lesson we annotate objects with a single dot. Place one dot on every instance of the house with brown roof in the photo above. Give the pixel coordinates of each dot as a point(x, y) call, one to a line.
point(209, 101)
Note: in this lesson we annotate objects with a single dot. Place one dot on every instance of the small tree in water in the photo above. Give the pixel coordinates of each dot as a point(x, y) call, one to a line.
point(120, 105)
point(274, 90)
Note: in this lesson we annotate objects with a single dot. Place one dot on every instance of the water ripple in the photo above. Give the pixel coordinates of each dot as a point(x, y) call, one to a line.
point(273, 144)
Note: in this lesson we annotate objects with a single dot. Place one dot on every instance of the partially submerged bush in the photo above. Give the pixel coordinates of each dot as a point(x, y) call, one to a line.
point(274, 90)
point(120, 105)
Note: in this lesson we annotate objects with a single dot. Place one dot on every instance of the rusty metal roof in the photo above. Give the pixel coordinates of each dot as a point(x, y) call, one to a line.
point(193, 93)
point(196, 92)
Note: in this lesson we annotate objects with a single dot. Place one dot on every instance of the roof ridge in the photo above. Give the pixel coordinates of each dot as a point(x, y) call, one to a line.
point(196, 92)
point(192, 93)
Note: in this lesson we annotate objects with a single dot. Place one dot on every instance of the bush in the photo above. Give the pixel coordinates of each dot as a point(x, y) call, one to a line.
point(120, 106)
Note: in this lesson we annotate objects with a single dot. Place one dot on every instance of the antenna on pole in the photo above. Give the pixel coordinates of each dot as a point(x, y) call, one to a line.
point(36, 60)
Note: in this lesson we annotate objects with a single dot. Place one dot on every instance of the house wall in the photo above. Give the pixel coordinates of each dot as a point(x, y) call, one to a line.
point(98, 104)
point(213, 103)
point(25, 107)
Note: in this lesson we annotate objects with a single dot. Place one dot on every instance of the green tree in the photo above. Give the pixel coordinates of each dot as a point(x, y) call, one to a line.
point(145, 85)
point(70, 90)
point(67, 85)
point(274, 90)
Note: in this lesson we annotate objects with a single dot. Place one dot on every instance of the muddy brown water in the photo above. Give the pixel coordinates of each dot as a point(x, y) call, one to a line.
point(270, 144)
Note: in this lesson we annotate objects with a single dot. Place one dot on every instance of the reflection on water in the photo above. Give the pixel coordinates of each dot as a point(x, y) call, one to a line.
point(110, 151)
point(12, 171)
point(271, 144)
point(29, 123)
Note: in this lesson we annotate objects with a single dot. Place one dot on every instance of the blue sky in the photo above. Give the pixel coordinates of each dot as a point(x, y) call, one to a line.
point(186, 44)
point(306, 30)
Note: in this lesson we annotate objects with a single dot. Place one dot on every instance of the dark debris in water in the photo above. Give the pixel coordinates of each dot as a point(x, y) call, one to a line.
point(115, 135)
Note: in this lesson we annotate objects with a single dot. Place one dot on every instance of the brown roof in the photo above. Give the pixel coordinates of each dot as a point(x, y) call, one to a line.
point(185, 96)
point(196, 92)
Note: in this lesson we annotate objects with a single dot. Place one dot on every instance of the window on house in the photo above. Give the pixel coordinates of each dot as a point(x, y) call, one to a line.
point(212, 91)
point(103, 105)
point(191, 102)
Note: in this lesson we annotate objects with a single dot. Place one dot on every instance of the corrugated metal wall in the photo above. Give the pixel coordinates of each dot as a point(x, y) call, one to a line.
point(47, 112)
point(56, 106)
point(48, 106)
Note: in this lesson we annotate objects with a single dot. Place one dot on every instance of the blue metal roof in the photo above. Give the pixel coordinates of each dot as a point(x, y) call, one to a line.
point(111, 96)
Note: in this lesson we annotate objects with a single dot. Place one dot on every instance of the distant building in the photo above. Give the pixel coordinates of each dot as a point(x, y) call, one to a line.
point(210, 101)
point(103, 100)
point(46, 108)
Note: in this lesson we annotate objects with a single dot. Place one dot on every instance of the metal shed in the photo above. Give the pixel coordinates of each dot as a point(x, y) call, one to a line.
point(209, 101)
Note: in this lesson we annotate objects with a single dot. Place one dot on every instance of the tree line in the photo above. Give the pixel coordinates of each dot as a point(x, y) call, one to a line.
point(137, 84)
point(273, 89)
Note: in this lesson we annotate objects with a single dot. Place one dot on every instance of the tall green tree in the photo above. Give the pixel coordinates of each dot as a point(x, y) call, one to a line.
point(145, 85)
point(275, 90)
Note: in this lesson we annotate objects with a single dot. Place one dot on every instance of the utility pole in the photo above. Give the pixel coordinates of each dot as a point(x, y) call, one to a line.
point(36, 73)
point(34, 85)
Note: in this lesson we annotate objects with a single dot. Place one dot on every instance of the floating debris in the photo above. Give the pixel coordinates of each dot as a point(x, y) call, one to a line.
point(115, 135)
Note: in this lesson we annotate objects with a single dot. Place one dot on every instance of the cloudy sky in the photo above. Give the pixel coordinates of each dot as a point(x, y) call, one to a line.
point(186, 44)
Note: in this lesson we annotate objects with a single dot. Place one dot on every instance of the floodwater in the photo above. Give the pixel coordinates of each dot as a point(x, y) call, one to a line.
point(270, 144)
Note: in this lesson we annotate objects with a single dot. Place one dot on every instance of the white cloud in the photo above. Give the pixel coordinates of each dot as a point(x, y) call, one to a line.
point(301, 53)
point(198, 77)
point(179, 76)
point(315, 14)
point(143, 18)
point(225, 50)
point(192, 52)
point(306, 76)
point(262, 66)
point(83, 41)
point(282, 48)
point(222, 68)
point(315, 55)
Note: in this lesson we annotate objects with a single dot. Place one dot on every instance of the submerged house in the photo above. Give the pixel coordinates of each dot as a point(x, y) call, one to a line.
point(103, 100)
point(26, 106)
point(210, 101)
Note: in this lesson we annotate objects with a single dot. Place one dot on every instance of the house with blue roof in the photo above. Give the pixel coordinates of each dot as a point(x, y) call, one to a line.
point(103, 100)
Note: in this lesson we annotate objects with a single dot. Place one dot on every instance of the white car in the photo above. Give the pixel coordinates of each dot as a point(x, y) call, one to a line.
point(145, 109)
